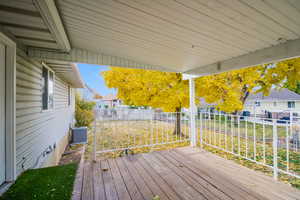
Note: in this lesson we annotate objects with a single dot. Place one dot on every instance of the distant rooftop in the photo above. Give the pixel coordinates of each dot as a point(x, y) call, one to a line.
point(109, 97)
point(282, 94)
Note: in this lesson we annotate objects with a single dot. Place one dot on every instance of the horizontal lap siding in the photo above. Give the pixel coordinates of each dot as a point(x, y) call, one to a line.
point(37, 129)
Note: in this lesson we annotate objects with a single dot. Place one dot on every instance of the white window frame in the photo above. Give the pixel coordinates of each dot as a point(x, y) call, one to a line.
point(290, 102)
point(49, 69)
point(69, 96)
point(10, 105)
point(257, 103)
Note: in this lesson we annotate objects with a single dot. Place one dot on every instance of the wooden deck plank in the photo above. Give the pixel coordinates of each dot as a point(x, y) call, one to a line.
point(254, 180)
point(207, 189)
point(183, 189)
point(154, 187)
point(110, 190)
point(99, 191)
point(225, 184)
point(130, 184)
point(183, 173)
point(142, 186)
point(158, 179)
point(118, 179)
point(87, 188)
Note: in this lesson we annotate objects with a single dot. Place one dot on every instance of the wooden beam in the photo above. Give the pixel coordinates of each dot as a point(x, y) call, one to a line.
point(289, 49)
point(89, 57)
point(52, 19)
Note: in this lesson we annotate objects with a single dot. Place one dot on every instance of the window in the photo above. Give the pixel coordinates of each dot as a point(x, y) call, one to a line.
point(257, 103)
point(48, 88)
point(291, 104)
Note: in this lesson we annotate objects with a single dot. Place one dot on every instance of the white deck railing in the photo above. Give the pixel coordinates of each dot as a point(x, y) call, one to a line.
point(273, 143)
point(125, 129)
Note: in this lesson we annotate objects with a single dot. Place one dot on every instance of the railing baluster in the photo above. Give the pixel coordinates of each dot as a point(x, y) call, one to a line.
point(287, 146)
point(264, 142)
point(225, 135)
point(232, 132)
point(127, 130)
point(254, 138)
point(239, 137)
point(209, 128)
point(275, 154)
point(95, 138)
point(201, 130)
point(215, 136)
point(246, 135)
point(220, 128)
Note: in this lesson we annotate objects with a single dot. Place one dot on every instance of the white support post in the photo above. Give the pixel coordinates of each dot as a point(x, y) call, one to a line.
point(192, 112)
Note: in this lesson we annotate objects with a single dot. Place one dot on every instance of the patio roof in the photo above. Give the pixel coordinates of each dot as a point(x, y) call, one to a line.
point(194, 37)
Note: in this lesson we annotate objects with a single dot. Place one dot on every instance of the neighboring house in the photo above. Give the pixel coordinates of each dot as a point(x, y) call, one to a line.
point(108, 101)
point(278, 103)
point(205, 107)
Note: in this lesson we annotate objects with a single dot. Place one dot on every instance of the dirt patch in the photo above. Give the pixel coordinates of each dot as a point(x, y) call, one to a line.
point(72, 154)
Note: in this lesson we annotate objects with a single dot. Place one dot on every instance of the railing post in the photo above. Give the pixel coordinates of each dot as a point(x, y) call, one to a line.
point(94, 138)
point(192, 112)
point(201, 131)
point(275, 155)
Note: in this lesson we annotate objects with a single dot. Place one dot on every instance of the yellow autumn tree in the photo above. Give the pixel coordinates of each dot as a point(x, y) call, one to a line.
point(230, 90)
point(279, 75)
point(167, 91)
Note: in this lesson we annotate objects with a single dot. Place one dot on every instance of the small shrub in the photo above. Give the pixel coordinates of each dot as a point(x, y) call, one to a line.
point(84, 114)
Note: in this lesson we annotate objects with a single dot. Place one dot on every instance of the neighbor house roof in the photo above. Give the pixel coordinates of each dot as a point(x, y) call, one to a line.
point(275, 95)
point(203, 103)
point(109, 97)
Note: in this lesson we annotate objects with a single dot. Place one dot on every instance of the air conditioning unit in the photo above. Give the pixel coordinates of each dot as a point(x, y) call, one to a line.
point(79, 135)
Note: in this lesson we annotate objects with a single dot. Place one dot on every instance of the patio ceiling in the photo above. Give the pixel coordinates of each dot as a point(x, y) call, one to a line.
point(192, 36)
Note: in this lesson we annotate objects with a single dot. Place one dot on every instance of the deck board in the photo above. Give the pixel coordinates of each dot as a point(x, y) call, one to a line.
point(109, 184)
point(129, 181)
point(179, 174)
point(119, 182)
point(141, 184)
point(99, 192)
point(151, 182)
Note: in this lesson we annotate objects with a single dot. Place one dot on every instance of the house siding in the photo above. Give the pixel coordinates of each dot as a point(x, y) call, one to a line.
point(37, 129)
point(281, 106)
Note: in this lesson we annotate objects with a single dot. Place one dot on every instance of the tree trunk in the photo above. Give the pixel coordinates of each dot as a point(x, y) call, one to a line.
point(177, 130)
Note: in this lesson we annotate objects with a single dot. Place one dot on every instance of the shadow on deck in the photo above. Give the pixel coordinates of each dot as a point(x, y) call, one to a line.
point(183, 173)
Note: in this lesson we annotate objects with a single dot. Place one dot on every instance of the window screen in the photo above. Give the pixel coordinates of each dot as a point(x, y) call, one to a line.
point(45, 88)
point(291, 104)
point(50, 90)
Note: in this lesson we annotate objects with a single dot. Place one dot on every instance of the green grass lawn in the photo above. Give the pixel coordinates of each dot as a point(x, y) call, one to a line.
point(44, 184)
point(220, 123)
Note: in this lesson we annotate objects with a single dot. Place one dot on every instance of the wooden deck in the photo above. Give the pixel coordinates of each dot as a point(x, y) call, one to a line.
point(183, 173)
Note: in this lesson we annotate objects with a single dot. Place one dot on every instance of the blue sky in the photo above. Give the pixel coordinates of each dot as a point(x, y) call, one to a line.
point(91, 76)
